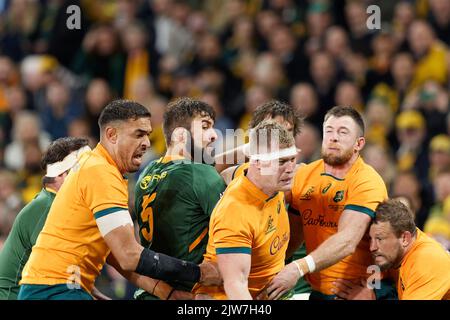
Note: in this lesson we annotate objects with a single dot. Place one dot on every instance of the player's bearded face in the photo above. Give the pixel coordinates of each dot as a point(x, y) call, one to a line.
point(200, 154)
point(338, 156)
point(340, 140)
point(202, 137)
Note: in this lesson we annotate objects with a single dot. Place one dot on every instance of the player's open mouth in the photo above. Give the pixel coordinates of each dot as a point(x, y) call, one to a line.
point(138, 158)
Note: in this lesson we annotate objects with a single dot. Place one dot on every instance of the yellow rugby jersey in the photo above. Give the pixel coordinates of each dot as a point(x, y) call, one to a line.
point(70, 246)
point(245, 220)
point(321, 198)
point(239, 171)
point(424, 273)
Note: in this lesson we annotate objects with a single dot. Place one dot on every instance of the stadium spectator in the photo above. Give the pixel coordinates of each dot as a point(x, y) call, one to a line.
point(429, 53)
point(412, 153)
point(438, 226)
point(26, 129)
point(308, 142)
point(379, 157)
point(439, 155)
point(304, 98)
point(10, 201)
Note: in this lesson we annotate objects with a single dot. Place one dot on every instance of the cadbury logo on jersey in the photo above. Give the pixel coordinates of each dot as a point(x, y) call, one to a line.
point(278, 243)
point(310, 220)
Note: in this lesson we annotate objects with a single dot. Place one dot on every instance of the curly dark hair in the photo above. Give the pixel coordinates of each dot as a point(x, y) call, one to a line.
point(276, 108)
point(181, 112)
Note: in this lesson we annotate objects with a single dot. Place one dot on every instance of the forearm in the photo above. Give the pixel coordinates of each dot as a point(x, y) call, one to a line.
point(99, 295)
point(163, 267)
point(237, 290)
point(333, 250)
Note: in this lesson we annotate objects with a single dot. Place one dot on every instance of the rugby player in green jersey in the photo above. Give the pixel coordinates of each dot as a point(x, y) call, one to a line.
point(175, 195)
point(60, 157)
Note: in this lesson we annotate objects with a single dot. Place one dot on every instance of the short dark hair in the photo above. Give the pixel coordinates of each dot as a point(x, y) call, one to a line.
point(397, 214)
point(342, 111)
point(58, 150)
point(122, 110)
point(181, 112)
point(276, 108)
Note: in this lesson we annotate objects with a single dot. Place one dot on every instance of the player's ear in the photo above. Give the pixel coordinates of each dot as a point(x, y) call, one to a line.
point(360, 143)
point(111, 134)
point(179, 135)
point(406, 238)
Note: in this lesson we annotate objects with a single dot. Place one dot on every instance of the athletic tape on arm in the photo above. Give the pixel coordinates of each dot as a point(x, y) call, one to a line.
point(113, 220)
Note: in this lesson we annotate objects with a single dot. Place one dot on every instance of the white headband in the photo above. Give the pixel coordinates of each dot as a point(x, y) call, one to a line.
point(282, 153)
point(55, 169)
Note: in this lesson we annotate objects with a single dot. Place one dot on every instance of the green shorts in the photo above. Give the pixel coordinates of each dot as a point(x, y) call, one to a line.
point(51, 292)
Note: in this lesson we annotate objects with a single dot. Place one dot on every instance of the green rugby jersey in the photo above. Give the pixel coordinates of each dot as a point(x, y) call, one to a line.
point(17, 248)
point(174, 198)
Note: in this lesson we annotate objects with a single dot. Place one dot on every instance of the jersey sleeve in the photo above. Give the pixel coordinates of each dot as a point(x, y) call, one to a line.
point(208, 187)
point(105, 191)
point(365, 193)
point(427, 279)
point(231, 231)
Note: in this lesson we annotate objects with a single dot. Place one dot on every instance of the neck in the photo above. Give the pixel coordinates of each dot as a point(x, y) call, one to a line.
point(409, 247)
point(177, 150)
point(402, 84)
point(253, 175)
point(113, 156)
point(52, 186)
point(339, 171)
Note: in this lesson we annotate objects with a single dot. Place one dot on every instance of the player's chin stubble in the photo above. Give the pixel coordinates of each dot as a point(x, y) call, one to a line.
point(337, 160)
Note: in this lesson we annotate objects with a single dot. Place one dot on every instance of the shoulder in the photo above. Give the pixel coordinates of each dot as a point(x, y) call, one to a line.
point(365, 175)
point(40, 202)
point(427, 249)
point(232, 212)
point(428, 259)
point(98, 167)
point(367, 172)
point(304, 171)
point(199, 168)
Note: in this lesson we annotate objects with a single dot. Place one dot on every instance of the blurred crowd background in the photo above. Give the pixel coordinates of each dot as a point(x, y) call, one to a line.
point(235, 55)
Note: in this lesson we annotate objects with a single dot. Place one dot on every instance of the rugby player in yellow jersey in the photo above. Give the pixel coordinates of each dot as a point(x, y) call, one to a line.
point(249, 228)
point(89, 219)
point(336, 198)
point(421, 265)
